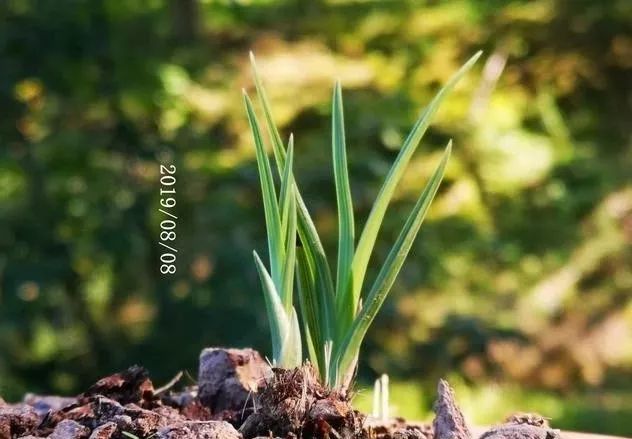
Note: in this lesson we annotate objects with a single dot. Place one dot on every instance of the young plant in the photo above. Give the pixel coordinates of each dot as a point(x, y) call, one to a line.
point(336, 311)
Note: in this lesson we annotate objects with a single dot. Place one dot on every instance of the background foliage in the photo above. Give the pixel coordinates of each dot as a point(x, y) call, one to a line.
point(519, 286)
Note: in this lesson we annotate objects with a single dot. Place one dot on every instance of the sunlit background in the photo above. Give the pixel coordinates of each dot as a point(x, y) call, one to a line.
point(518, 288)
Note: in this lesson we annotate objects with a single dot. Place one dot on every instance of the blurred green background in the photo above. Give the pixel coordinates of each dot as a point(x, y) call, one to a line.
point(518, 288)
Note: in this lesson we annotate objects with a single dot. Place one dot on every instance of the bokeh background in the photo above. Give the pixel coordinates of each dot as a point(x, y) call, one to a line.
point(519, 287)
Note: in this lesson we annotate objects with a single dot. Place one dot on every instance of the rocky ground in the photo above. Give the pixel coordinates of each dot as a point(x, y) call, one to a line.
point(238, 396)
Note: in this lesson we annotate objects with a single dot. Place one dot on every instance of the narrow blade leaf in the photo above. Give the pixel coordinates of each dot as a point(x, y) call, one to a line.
point(349, 349)
point(270, 204)
point(344, 302)
point(307, 231)
point(373, 223)
point(287, 184)
point(310, 312)
point(292, 351)
point(279, 325)
point(290, 252)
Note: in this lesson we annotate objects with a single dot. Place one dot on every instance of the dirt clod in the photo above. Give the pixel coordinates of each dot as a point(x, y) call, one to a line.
point(449, 422)
point(195, 430)
point(396, 428)
point(520, 431)
point(228, 377)
point(294, 402)
point(244, 399)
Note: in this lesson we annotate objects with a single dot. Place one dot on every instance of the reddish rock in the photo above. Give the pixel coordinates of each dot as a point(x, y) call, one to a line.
point(228, 376)
point(68, 429)
point(195, 430)
point(17, 420)
point(105, 409)
point(123, 422)
point(145, 422)
point(105, 431)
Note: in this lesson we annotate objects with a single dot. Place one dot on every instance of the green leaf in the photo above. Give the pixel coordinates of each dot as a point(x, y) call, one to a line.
point(323, 283)
point(373, 223)
point(344, 301)
point(292, 352)
point(270, 205)
point(290, 251)
point(310, 312)
point(347, 353)
point(279, 325)
point(287, 184)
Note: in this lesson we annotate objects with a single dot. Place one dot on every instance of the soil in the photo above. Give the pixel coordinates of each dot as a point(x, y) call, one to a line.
point(238, 396)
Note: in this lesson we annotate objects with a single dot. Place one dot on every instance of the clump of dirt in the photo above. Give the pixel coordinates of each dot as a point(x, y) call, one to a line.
point(119, 406)
point(397, 428)
point(293, 403)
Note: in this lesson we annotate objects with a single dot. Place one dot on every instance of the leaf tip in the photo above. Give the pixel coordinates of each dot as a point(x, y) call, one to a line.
point(475, 57)
point(338, 88)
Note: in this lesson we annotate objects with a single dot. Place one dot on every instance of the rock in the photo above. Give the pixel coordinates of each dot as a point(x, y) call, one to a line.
point(105, 431)
point(228, 376)
point(448, 422)
point(328, 410)
point(68, 429)
point(520, 431)
point(17, 420)
point(145, 422)
point(123, 422)
point(195, 430)
point(105, 409)
point(43, 404)
point(406, 433)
